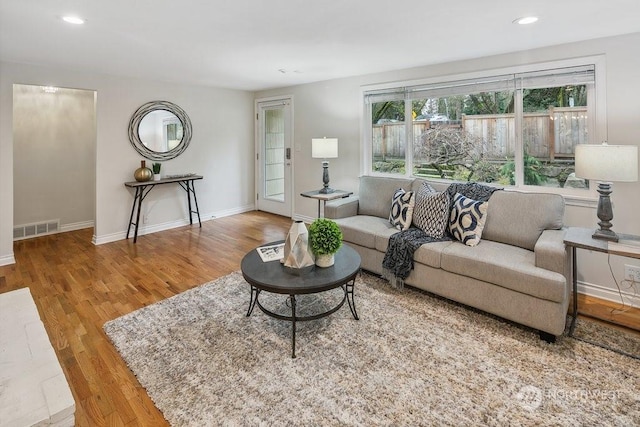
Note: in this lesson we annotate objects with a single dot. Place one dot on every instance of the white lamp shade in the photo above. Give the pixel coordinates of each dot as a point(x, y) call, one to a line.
point(603, 162)
point(324, 148)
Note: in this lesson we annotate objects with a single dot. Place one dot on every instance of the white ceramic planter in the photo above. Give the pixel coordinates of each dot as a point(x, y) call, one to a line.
point(325, 260)
point(156, 177)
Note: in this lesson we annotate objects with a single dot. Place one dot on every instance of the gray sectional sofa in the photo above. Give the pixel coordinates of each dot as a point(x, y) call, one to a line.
point(519, 271)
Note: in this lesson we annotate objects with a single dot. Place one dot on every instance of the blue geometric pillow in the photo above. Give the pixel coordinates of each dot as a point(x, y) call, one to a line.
point(401, 213)
point(467, 219)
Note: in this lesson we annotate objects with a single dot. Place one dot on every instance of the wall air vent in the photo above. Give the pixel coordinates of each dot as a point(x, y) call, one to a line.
point(27, 231)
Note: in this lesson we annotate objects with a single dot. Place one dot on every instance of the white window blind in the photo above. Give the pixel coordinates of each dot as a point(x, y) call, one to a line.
point(557, 77)
point(531, 80)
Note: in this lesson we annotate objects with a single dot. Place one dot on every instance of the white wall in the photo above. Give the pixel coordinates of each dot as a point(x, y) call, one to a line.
point(221, 149)
point(333, 108)
point(54, 156)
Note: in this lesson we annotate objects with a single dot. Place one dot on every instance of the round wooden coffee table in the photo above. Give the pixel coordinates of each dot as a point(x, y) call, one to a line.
point(274, 277)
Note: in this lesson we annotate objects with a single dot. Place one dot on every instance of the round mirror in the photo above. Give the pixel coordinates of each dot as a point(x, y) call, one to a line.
point(160, 130)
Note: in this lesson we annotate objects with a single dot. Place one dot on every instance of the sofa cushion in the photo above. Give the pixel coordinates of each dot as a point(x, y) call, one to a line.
point(506, 266)
point(431, 211)
point(376, 192)
point(467, 219)
point(402, 209)
point(518, 218)
point(427, 254)
point(363, 229)
point(431, 253)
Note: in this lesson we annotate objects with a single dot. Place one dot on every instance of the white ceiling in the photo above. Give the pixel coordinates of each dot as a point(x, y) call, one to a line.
point(244, 44)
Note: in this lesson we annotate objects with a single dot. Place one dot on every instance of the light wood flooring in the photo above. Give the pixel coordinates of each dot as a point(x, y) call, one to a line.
point(78, 287)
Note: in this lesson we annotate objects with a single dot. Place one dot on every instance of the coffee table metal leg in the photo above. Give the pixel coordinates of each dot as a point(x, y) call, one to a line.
point(348, 289)
point(293, 326)
point(254, 298)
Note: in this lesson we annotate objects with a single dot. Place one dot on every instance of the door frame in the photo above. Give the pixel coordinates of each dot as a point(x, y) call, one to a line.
point(258, 150)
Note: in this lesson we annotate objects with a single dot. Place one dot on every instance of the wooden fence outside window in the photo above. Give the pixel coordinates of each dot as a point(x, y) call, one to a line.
point(547, 136)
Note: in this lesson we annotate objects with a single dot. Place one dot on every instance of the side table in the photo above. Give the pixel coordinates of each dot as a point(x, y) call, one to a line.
point(324, 197)
point(577, 237)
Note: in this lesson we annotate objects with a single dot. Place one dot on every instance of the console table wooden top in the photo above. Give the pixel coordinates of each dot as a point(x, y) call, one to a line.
point(134, 184)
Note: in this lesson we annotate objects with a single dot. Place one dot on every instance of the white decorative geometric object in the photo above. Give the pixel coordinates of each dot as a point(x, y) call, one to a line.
point(296, 247)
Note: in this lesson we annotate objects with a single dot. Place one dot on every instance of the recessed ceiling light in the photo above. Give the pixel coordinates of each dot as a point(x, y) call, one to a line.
point(526, 20)
point(73, 20)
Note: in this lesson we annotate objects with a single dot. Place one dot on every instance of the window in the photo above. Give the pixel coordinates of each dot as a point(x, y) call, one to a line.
point(513, 129)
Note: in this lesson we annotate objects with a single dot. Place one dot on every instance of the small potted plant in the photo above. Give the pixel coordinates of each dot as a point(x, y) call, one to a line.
point(156, 171)
point(325, 238)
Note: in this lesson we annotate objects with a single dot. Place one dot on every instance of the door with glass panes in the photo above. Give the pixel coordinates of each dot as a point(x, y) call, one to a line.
point(274, 156)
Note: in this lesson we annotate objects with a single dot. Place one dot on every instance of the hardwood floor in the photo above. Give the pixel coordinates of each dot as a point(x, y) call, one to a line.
point(615, 314)
point(78, 287)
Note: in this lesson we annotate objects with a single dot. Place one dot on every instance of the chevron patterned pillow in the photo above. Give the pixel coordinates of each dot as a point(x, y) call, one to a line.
point(431, 211)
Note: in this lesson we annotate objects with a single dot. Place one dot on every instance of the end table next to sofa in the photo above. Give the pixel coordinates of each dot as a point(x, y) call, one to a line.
point(325, 197)
point(577, 237)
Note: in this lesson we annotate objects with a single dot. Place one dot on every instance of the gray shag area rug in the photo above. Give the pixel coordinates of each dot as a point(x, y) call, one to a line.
point(412, 359)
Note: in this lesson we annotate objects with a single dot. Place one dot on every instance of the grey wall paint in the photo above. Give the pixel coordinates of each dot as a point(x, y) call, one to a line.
point(54, 146)
point(223, 144)
point(222, 149)
point(334, 108)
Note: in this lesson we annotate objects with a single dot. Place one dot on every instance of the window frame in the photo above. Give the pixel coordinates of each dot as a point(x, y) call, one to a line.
point(597, 120)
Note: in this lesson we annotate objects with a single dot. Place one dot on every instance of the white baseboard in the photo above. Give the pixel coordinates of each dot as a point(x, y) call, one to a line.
point(108, 238)
point(7, 259)
point(305, 219)
point(154, 228)
point(229, 212)
point(609, 294)
point(76, 226)
point(142, 230)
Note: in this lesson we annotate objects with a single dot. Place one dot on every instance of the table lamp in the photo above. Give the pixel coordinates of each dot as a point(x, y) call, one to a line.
point(606, 163)
point(324, 148)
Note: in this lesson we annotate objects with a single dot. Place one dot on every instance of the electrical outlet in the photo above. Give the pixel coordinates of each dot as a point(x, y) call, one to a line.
point(631, 272)
point(144, 219)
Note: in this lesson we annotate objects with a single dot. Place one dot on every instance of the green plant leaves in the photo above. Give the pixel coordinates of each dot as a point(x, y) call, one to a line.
point(325, 236)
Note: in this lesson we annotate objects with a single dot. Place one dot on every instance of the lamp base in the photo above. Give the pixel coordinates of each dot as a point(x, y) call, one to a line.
point(326, 190)
point(325, 179)
point(605, 235)
point(605, 214)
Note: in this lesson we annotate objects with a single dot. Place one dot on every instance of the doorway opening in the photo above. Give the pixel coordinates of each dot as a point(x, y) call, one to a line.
point(54, 160)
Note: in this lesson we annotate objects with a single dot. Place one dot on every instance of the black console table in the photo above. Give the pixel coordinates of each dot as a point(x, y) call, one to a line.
point(143, 188)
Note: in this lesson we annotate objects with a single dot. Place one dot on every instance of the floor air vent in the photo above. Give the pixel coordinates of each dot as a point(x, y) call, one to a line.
point(27, 231)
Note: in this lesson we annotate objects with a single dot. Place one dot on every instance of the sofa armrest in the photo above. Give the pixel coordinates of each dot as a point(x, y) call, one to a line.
point(551, 252)
point(341, 208)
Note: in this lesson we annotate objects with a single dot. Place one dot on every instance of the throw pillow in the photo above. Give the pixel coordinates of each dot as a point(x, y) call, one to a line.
point(431, 211)
point(401, 213)
point(467, 219)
